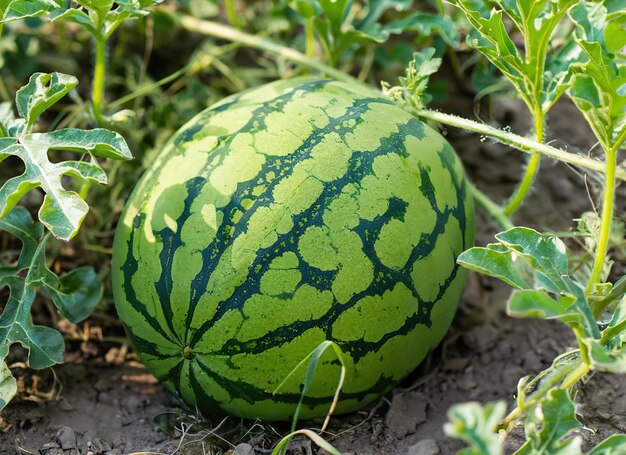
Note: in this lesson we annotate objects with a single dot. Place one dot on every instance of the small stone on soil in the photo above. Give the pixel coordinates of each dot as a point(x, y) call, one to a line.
point(66, 438)
point(243, 449)
point(408, 410)
point(424, 447)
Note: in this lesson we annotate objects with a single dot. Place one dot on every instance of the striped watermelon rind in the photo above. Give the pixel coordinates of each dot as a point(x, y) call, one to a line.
point(301, 211)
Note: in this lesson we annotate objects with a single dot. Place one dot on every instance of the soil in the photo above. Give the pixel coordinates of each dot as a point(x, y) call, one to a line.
point(110, 409)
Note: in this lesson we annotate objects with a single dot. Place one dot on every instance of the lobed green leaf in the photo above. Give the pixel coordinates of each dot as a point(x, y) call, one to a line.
point(42, 91)
point(62, 210)
point(598, 88)
point(74, 294)
point(22, 9)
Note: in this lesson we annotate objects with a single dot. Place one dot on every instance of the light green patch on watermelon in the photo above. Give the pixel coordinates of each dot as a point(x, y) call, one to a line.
point(228, 121)
point(204, 310)
point(264, 313)
point(317, 249)
point(374, 125)
point(363, 320)
point(283, 275)
point(187, 262)
point(148, 272)
point(241, 165)
point(439, 263)
point(296, 192)
point(355, 271)
point(329, 159)
point(169, 208)
point(342, 212)
point(278, 139)
point(225, 329)
point(269, 368)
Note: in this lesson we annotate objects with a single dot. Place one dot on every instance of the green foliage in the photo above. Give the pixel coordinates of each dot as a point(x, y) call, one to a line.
point(551, 429)
point(62, 211)
point(413, 86)
point(74, 294)
point(599, 88)
point(540, 74)
point(537, 266)
point(104, 20)
point(338, 30)
point(476, 425)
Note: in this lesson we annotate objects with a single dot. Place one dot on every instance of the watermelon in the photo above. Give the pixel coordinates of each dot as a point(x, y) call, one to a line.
point(297, 212)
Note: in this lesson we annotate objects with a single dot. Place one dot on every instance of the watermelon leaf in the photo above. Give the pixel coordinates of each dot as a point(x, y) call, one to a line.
point(540, 74)
point(62, 211)
point(42, 91)
point(8, 385)
point(338, 32)
point(9, 125)
point(22, 9)
point(74, 294)
point(537, 266)
point(413, 85)
point(551, 430)
point(599, 88)
point(612, 445)
point(476, 425)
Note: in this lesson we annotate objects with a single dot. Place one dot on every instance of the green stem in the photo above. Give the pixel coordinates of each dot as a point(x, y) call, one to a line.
point(232, 13)
point(99, 77)
point(309, 33)
point(144, 89)
point(521, 143)
point(605, 223)
point(517, 198)
point(218, 30)
point(492, 209)
point(576, 375)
